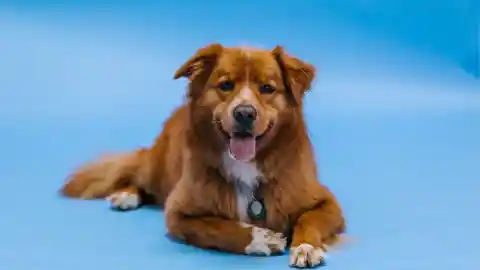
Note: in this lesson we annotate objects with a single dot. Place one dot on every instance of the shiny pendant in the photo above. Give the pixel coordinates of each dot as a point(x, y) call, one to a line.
point(256, 210)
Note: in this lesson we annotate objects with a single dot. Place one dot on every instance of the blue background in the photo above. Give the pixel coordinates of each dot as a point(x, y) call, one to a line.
point(394, 117)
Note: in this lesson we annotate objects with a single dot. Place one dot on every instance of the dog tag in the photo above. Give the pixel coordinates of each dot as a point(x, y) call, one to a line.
point(256, 210)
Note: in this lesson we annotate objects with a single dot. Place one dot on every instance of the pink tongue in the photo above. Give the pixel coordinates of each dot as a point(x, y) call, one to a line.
point(242, 148)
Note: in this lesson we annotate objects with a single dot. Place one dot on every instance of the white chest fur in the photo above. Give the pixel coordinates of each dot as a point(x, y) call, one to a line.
point(246, 177)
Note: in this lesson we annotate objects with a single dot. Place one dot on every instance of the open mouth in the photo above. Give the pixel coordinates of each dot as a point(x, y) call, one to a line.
point(242, 145)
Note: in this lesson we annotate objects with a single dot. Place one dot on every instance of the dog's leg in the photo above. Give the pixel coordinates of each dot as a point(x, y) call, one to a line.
point(125, 199)
point(226, 235)
point(313, 231)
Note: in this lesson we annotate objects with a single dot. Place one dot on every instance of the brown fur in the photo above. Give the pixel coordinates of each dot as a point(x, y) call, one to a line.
point(183, 168)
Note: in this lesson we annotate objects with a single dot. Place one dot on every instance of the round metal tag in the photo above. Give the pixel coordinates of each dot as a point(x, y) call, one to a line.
point(256, 210)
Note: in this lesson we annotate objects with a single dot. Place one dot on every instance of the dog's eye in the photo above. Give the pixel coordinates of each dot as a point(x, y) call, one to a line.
point(267, 89)
point(226, 86)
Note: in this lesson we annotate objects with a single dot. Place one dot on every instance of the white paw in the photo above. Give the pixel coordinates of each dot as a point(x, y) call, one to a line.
point(305, 256)
point(124, 200)
point(265, 242)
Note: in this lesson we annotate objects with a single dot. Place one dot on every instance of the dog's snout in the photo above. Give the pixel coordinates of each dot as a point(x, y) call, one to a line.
point(245, 115)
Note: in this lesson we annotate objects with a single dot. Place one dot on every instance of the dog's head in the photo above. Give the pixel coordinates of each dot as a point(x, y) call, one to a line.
point(245, 94)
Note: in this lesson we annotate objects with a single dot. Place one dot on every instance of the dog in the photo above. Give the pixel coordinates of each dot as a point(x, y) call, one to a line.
point(234, 167)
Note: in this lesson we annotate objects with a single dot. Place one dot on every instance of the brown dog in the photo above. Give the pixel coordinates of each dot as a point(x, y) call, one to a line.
point(234, 166)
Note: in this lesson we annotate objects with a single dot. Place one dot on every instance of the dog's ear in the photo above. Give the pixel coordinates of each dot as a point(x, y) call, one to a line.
point(203, 61)
point(297, 74)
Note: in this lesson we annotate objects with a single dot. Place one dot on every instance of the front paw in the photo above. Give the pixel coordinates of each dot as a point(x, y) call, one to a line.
point(306, 256)
point(265, 242)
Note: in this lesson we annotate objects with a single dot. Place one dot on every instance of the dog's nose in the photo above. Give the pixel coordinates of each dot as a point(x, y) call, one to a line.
point(245, 115)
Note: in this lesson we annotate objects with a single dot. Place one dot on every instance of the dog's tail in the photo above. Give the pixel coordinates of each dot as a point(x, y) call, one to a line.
point(100, 178)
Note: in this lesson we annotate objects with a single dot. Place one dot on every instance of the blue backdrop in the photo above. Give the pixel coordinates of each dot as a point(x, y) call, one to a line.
point(393, 117)
point(445, 28)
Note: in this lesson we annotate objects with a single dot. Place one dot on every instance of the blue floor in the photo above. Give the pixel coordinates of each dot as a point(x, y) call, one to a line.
point(397, 139)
